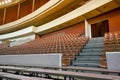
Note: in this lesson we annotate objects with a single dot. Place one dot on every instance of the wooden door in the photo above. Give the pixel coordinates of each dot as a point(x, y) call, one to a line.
point(100, 28)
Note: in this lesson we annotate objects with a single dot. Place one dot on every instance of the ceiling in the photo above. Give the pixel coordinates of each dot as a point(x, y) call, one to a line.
point(66, 9)
point(11, 3)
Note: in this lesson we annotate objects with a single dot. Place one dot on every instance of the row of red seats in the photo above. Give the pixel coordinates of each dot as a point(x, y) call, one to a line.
point(112, 38)
point(67, 44)
point(111, 44)
point(2, 46)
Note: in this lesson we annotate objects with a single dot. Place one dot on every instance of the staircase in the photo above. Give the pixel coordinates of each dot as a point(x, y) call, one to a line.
point(90, 54)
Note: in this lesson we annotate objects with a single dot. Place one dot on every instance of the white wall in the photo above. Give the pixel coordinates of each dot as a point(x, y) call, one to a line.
point(87, 29)
point(21, 40)
point(32, 59)
point(113, 60)
point(17, 33)
point(31, 37)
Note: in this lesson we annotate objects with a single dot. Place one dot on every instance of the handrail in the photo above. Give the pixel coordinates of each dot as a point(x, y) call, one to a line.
point(68, 68)
point(4, 75)
point(65, 74)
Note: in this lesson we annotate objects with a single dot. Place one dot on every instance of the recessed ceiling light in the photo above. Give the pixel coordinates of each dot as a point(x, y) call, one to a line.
point(6, 1)
point(3, 2)
point(9, 0)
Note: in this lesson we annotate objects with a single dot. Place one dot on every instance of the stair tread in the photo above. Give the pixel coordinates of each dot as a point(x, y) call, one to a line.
point(93, 46)
point(88, 59)
point(92, 53)
point(91, 50)
point(87, 64)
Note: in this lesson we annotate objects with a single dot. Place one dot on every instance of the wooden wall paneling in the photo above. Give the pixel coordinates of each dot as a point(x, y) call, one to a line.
point(76, 28)
point(4, 16)
point(99, 28)
point(33, 5)
point(105, 27)
point(94, 30)
point(39, 3)
point(114, 22)
point(1, 16)
point(18, 13)
point(25, 8)
point(11, 13)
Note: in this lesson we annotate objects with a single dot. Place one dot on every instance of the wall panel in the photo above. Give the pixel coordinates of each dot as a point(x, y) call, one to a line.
point(25, 8)
point(53, 59)
point(77, 28)
point(1, 16)
point(39, 3)
point(114, 23)
point(11, 14)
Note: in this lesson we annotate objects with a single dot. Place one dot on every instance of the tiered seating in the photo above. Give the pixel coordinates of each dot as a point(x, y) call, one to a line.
point(4, 46)
point(111, 44)
point(67, 44)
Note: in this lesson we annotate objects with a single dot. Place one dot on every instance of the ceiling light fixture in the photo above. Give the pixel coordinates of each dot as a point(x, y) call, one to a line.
point(9, 0)
point(3, 2)
point(6, 1)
